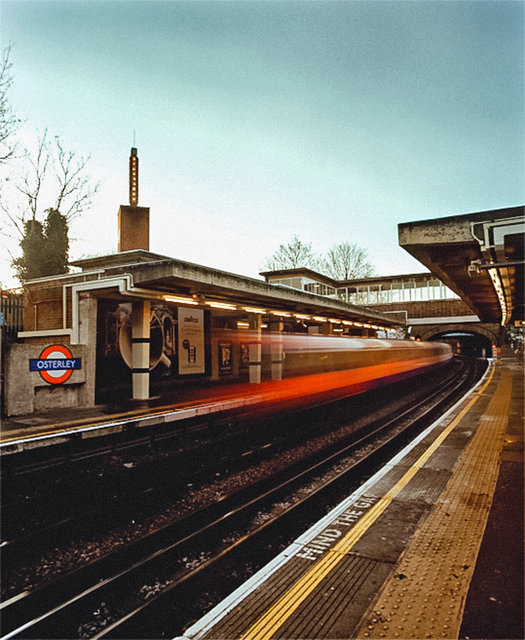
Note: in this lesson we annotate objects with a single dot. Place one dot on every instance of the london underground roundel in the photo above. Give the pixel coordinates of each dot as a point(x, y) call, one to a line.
point(55, 364)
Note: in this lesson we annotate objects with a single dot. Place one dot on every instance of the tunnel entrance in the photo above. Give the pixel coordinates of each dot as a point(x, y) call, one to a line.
point(468, 343)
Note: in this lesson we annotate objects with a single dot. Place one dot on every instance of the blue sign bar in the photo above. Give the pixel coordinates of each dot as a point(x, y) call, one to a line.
point(55, 364)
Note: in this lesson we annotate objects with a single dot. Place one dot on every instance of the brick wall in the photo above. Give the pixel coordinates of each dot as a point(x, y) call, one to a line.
point(430, 309)
point(43, 307)
point(492, 331)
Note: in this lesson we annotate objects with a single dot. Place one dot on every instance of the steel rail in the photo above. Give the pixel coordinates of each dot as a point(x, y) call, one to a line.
point(46, 619)
point(145, 620)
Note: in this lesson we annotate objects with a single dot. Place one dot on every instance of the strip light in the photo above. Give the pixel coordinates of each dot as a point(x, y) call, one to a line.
point(221, 305)
point(493, 273)
point(180, 300)
point(254, 310)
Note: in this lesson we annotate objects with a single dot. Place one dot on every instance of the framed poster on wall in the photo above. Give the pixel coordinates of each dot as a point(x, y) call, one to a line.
point(225, 358)
point(191, 341)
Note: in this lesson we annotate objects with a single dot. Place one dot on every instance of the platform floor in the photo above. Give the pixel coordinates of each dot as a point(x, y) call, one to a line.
point(55, 426)
point(396, 559)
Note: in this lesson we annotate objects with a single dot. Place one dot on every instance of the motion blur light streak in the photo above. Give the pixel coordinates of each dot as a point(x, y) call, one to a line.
point(319, 369)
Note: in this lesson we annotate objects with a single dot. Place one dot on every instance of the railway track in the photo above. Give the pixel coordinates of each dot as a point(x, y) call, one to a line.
point(126, 593)
point(46, 512)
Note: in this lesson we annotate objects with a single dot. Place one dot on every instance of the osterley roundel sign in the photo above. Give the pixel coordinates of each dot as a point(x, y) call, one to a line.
point(55, 364)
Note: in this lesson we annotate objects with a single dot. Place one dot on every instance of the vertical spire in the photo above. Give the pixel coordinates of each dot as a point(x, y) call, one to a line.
point(133, 178)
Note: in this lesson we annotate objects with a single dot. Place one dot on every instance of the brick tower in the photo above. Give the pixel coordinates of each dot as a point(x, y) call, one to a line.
point(133, 221)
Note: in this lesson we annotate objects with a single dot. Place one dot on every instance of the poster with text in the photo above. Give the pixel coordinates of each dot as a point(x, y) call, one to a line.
point(191, 341)
point(225, 358)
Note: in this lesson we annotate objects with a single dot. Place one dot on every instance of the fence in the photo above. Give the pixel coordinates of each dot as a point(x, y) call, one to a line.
point(11, 322)
point(11, 314)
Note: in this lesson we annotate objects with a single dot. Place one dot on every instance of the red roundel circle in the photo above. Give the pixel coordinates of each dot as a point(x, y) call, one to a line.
point(56, 352)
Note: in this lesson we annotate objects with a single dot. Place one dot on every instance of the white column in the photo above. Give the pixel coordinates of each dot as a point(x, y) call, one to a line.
point(140, 339)
point(276, 349)
point(255, 350)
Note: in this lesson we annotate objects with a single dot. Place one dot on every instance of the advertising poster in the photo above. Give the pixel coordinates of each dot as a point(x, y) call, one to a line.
point(191, 341)
point(225, 358)
point(245, 355)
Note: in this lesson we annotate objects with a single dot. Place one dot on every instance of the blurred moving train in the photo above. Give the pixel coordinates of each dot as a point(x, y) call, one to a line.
point(289, 365)
point(334, 367)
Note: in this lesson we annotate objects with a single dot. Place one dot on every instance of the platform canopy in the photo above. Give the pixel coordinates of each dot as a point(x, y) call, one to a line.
point(479, 255)
point(156, 276)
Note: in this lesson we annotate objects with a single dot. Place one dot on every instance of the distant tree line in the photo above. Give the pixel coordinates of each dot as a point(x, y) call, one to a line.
point(344, 261)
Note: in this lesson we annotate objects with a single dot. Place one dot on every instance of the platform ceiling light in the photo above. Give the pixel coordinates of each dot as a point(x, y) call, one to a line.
point(334, 321)
point(254, 310)
point(358, 324)
point(282, 314)
point(494, 276)
point(320, 319)
point(301, 316)
point(337, 330)
point(221, 305)
point(243, 325)
point(367, 326)
point(347, 323)
point(180, 300)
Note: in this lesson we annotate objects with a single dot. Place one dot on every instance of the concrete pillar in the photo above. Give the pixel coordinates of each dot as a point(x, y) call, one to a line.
point(326, 329)
point(276, 349)
point(140, 339)
point(87, 312)
point(255, 348)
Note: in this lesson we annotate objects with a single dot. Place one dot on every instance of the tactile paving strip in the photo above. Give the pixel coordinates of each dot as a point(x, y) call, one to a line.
point(425, 596)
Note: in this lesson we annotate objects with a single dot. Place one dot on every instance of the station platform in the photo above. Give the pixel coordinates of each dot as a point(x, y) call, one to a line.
point(44, 428)
point(429, 547)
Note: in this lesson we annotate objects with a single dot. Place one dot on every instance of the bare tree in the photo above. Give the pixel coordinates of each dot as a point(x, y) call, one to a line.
point(29, 184)
point(9, 123)
point(58, 173)
point(347, 261)
point(75, 189)
point(292, 255)
point(48, 179)
point(41, 190)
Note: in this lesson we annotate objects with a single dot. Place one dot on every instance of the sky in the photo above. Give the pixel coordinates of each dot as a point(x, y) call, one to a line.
point(257, 120)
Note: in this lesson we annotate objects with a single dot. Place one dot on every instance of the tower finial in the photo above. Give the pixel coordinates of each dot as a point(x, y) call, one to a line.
point(133, 177)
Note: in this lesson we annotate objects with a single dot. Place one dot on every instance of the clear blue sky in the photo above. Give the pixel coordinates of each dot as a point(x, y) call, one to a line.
point(259, 120)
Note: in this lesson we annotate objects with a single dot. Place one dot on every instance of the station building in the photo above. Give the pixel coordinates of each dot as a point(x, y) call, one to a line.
point(135, 323)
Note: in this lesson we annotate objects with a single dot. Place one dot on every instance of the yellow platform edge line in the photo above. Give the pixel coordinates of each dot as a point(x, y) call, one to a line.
point(278, 614)
point(439, 562)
